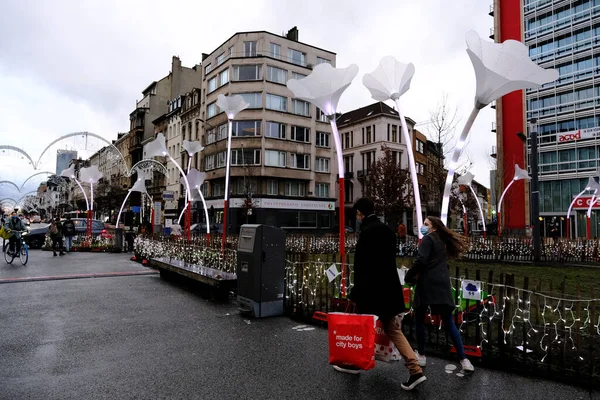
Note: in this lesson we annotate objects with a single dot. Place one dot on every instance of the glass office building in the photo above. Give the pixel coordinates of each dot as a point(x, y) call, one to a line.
point(564, 35)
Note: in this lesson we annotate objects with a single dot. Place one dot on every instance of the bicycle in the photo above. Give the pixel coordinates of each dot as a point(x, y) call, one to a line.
point(9, 250)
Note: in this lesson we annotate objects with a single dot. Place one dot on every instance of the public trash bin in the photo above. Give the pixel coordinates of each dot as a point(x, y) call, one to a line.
point(261, 270)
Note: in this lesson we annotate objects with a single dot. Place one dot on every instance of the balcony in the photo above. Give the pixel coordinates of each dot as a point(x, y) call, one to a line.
point(363, 173)
point(491, 13)
point(347, 175)
point(492, 33)
point(494, 152)
point(493, 127)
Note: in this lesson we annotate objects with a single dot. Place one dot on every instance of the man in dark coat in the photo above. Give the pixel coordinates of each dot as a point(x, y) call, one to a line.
point(377, 289)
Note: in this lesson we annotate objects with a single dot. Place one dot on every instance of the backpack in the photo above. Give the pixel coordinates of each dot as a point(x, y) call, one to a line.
point(53, 229)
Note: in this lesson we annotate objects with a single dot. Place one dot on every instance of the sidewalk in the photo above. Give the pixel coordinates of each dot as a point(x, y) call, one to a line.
point(141, 337)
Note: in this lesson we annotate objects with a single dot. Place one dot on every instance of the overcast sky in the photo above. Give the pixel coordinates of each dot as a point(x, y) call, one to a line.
point(80, 65)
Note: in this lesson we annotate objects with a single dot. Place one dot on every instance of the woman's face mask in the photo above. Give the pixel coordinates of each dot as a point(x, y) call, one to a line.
point(424, 230)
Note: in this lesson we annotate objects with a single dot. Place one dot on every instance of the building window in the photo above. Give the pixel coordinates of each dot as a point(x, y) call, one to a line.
point(207, 69)
point(220, 59)
point(222, 132)
point(218, 189)
point(322, 190)
point(275, 130)
point(323, 60)
point(368, 160)
point(420, 146)
point(246, 128)
point(321, 117)
point(272, 187)
point(247, 73)
point(254, 99)
point(297, 57)
point(295, 188)
point(298, 75)
point(300, 134)
point(212, 110)
point(322, 164)
point(209, 162)
point(348, 163)
point(300, 107)
point(395, 134)
point(277, 103)
point(276, 75)
point(322, 139)
point(368, 131)
point(212, 84)
point(275, 50)
point(223, 77)
point(420, 168)
point(221, 159)
point(249, 49)
point(245, 157)
point(274, 158)
point(300, 161)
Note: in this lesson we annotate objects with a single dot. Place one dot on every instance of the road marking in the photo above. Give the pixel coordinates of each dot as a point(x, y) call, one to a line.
point(76, 276)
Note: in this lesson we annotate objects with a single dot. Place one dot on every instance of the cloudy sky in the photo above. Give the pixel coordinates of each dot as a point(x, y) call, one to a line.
point(80, 65)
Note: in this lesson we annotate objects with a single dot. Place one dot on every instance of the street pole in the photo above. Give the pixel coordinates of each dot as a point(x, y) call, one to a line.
point(535, 190)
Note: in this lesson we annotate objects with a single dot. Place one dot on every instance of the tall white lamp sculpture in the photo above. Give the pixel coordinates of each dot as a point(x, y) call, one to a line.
point(324, 88)
point(191, 148)
point(519, 175)
point(390, 80)
point(457, 194)
point(196, 179)
point(466, 180)
point(231, 105)
point(158, 148)
point(500, 68)
point(591, 185)
point(70, 173)
point(90, 175)
point(138, 186)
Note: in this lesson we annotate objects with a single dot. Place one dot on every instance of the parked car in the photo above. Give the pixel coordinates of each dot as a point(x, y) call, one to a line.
point(199, 229)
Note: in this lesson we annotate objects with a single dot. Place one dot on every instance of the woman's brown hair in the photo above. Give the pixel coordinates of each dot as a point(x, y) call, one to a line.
point(455, 243)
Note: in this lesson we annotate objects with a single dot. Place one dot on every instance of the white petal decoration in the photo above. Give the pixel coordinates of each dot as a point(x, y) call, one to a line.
point(324, 86)
point(390, 80)
point(501, 68)
point(592, 184)
point(69, 172)
point(156, 148)
point(466, 179)
point(195, 178)
point(139, 185)
point(520, 174)
point(231, 105)
point(90, 174)
point(192, 147)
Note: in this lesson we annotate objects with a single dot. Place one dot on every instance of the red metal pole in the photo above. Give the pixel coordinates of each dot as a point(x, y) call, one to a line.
point(499, 217)
point(342, 236)
point(568, 227)
point(465, 224)
point(588, 230)
point(89, 226)
point(188, 222)
point(224, 235)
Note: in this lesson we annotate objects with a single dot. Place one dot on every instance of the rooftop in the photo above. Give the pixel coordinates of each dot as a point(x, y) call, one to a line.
point(371, 111)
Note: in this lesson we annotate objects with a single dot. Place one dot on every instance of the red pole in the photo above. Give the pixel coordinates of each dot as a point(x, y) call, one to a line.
point(499, 217)
point(465, 224)
point(588, 230)
point(342, 236)
point(224, 234)
point(188, 221)
point(568, 227)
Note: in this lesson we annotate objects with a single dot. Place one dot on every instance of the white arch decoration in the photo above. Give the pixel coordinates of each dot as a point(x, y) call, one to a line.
point(146, 164)
point(10, 183)
point(18, 150)
point(36, 174)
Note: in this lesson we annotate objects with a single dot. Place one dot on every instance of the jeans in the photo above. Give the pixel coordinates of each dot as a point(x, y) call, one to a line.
point(68, 242)
point(17, 244)
point(448, 321)
point(397, 337)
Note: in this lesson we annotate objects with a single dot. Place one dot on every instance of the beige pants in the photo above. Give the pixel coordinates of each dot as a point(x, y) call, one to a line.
point(397, 337)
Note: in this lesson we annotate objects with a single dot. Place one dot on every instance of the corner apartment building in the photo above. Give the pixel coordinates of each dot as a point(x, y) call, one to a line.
point(563, 35)
point(282, 159)
point(362, 132)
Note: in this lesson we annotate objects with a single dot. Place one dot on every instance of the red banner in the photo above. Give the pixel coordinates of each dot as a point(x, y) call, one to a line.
point(583, 203)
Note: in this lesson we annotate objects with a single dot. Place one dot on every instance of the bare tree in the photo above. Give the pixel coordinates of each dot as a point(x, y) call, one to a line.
point(441, 128)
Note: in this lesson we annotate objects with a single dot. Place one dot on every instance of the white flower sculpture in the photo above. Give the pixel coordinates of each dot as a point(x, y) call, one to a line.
point(501, 68)
point(69, 172)
point(139, 185)
point(520, 173)
point(156, 148)
point(192, 147)
point(592, 184)
point(196, 179)
point(466, 179)
point(390, 80)
point(324, 86)
point(90, 174)
point(231, 105)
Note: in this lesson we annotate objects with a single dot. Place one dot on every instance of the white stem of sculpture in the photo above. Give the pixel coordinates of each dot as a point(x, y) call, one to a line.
point(338, 146)
point(574, 200)
point(189, 163)
point(182, 212)
point(454, 163)
point(205, 211)
point(91, 195)
point(412, 168)
point(121, 210)
point(187, 184)
point(87, 204)
point(502, 197)
point(589, 211)
point(187, 195)
point(229, 134)
point(478, 206)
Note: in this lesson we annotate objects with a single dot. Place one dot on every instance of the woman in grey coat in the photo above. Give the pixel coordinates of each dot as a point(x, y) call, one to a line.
point(431, 274)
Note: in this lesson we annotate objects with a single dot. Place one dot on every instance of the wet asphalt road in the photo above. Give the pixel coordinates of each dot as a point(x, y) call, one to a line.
point(140, 337)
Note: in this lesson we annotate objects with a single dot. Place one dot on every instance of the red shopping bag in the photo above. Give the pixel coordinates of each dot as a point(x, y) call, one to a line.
point(385, 350)
point(351, 340)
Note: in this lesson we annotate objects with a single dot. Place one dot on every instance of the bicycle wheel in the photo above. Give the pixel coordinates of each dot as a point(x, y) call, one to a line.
point(24, 256)
point(7, 257)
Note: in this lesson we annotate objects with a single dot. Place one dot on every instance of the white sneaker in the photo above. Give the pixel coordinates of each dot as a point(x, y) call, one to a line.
point(353, 371)
point(421, 358)
point(466, 365)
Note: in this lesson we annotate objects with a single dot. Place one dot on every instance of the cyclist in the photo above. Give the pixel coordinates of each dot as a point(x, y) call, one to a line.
point(15, 224)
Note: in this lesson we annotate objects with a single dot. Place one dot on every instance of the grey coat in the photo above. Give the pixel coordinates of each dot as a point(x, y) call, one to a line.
point(431, 274)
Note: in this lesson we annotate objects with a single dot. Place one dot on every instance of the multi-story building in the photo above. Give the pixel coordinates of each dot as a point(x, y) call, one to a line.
point(420, 154)
point(435, 174)
point(122, 144)
point(282, 162)
point(562, 35)
point(63, 158)
point(363, 132)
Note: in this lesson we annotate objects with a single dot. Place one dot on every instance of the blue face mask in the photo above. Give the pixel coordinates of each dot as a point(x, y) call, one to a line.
point(424, 230)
